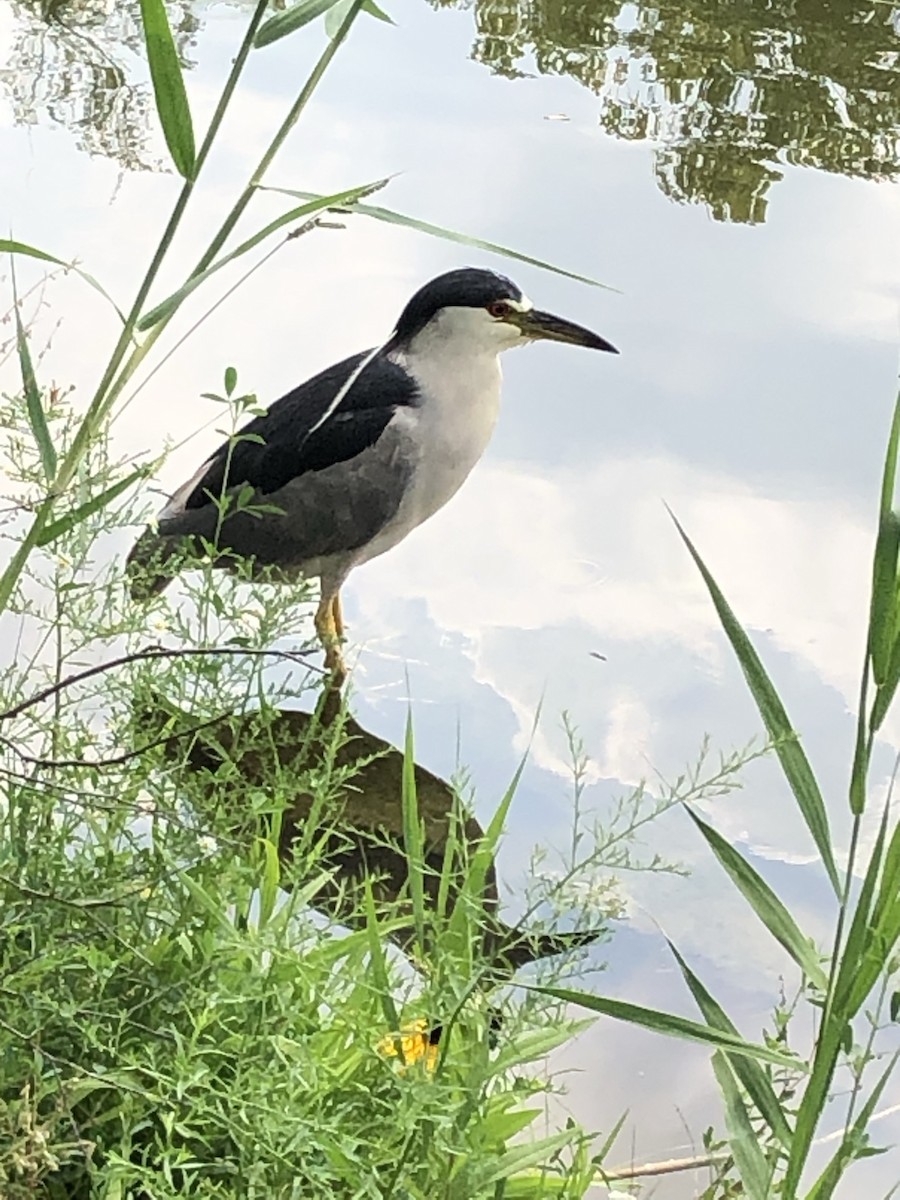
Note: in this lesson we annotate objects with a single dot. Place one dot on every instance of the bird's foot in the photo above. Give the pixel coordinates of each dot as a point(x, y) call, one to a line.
point(335, 666)
point(330, 628)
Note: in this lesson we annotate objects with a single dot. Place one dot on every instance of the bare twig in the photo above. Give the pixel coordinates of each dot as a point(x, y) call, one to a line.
point(669, 1166)
point(118, 759)
point(35, 894)
point(151, 652)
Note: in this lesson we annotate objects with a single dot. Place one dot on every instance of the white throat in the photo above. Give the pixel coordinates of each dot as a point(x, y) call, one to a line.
point(459, 383)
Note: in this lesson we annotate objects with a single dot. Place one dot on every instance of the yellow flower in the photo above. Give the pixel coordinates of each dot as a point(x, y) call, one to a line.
point(419, 1042)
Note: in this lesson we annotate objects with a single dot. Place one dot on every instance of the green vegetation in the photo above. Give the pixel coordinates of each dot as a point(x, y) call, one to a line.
point(232, 934)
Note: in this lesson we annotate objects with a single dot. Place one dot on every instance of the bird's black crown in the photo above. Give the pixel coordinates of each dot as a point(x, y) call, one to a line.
point(467, 287)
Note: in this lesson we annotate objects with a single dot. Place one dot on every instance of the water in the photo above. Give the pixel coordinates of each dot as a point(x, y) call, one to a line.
point(758, 324)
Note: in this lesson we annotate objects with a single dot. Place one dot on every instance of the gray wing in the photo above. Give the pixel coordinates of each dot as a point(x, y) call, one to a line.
point(319, 514)
point(296, 489)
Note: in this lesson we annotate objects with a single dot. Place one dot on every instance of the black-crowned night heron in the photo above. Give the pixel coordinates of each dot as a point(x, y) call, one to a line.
point(347, 464)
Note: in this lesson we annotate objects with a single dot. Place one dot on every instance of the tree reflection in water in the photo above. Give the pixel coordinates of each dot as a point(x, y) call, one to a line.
point(728, 90)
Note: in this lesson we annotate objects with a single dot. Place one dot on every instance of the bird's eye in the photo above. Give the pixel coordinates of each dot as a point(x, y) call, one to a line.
point(499, 309)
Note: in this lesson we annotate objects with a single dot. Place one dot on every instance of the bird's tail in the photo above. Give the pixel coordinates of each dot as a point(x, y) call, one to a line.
point(153, 563)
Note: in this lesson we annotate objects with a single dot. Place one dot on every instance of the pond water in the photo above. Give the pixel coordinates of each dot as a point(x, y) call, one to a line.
point(729, 169)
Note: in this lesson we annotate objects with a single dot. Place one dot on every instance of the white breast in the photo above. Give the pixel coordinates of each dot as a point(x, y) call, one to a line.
point(449, 430)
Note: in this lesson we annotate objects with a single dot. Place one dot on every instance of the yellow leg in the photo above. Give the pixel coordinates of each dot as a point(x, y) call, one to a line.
point(337, 615)
point(329, 627)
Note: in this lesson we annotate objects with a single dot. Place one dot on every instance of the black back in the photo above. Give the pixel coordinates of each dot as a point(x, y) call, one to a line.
point(292, 440)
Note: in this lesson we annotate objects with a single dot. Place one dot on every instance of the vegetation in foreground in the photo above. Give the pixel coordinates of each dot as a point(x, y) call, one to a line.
point(201, 997)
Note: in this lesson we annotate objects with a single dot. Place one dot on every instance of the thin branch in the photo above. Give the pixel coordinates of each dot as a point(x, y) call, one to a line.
point(669, 1166)
point(152, 652)
point(35, 894)
point(118, 759)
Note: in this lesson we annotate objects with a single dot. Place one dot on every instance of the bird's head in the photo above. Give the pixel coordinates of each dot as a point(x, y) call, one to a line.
point(483, 312)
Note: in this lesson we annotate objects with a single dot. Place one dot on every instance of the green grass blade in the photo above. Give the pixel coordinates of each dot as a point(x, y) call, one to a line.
point(883, 933)
point(882, 615)
point(168, 306)
point(883, 636)
point(168, 87)
point(450, 866)
point(862, 937)
point(607, 1144)
point(889, 889)
point(823, 1188)
point(338, 12)
point(790, 753)
point(390, 217)
point(96, 503)
point(377, 960)
point(884, 696)
point(289, 20)
point(749, 1159)
point(10, 246)
point(472, 893)
point(669, 1024)
point(374, 10)
point(770, 910)
point(889, 474)
point(884, 596)
point(271, 877)
point(838, 1012)
point(413, 843)
point(473, 1179)
point(37, 418)
point(538, 1044)
point(751, 1075)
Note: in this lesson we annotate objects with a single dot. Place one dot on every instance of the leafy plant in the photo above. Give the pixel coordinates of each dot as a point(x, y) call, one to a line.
point(771, 1133)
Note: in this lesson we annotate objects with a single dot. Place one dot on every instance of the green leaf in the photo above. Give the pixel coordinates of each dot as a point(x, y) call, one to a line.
point(864, 951)
point(790, 753)
point(37, 418)
point(749, 1072)
point(412, 835)
point(9, 246)
point(230, 380)
point(168, 87)
point(764, 903)
point(171, 303)
point(390, 217)
point(889, 474)
point(610, 1138)
point(289, 20)
point(499, 1127)
point(472, 892)
point(337, 14)
point(377, 961)
point(883, 930)
point(538, 1044)
point(839, 1010)
point(884, 597)
point(75, 516)
point(476, 1175)
point(749, 1159)
point(824, 1186)
point(669, 1024)
point(373, 10)
point(884, 695)
point(268, 891)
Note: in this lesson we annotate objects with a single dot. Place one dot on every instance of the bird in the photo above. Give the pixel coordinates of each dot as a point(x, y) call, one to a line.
point(347, 464)
point(359, 835)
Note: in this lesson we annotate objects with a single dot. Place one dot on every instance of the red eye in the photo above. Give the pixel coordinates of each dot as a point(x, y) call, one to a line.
point(499, 309)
